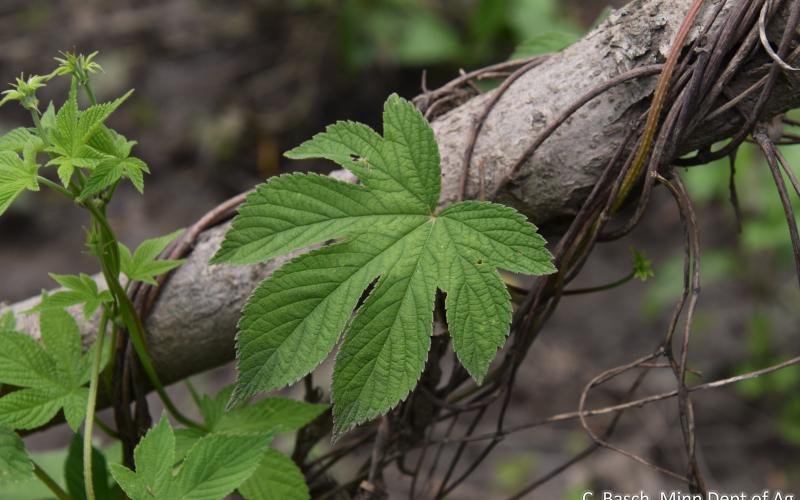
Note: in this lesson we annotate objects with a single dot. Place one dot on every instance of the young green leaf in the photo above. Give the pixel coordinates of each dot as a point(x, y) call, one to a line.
point(16, 175)
point(77, 65)
point(118, 164)
point(214, 467)
point(277, 478)
point(73, 473)
point(15, 140)
point(154, 458)
point(81, 289)
point(48, 119)
point(15, 465)
point(217, 465)
point(389, 231)
point(24, 363)
point(642, 266)
point(112, 170)
point(143, 265)
point(267, 417)
point(72, 132)
point(24, 91)
point(51, 375)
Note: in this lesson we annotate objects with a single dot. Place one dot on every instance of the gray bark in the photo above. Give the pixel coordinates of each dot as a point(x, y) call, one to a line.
point(192, 326)
point(553, 183)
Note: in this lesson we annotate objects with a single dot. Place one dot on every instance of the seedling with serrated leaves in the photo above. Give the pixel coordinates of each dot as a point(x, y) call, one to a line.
point(90, 160)
point(204, 460)
point(393, 240)
point(391, 235)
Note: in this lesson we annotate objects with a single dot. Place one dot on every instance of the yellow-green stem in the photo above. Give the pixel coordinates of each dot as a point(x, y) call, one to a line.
point(128, 313)
point(55, 187)
point(91, 405)
point(48, 481)
point(106, 429)
point(659, 97)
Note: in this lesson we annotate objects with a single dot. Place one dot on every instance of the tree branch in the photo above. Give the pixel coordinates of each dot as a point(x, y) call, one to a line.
point(192, 325)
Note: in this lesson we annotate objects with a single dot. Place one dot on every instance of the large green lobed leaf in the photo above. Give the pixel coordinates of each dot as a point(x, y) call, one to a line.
point(388, 234)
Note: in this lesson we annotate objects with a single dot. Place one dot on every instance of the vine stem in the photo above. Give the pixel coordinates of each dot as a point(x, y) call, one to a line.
point(91, 405)
point(88, 89)
point(109, 261)
point(37, 122)
point(126, 309)
point(48, 481)
point(659, 97)
point(601, 288)
point(106, 429)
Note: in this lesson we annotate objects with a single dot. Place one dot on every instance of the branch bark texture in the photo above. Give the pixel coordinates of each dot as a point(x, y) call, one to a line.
point(193, 323)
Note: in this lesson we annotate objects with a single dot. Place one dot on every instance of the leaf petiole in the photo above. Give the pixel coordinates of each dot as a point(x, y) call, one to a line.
point(91, 405)
point(48, 481)
point(88, 89)
point(601, 288)
point(55, 187)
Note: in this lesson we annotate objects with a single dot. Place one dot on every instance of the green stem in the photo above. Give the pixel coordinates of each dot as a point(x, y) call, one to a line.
point(88, 89)
point(106, 429)
point(91, 404)
point(80, 182)
point(600, 288)
point(38, 124)
point(55, 186)
point(108, 377)
point(130, 318)
point(48, 481)
point(106, 198)
point(193, 392)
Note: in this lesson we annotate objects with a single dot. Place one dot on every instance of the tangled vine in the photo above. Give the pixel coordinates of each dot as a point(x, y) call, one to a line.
point(447, 408)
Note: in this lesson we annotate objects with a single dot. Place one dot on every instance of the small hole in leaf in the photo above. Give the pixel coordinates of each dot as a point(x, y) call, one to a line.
point(479, 262)
point(355, 157)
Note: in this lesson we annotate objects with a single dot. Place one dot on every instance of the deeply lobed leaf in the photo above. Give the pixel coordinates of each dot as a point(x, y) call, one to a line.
point(51, 375)
point(389, 235)
point(71, 135)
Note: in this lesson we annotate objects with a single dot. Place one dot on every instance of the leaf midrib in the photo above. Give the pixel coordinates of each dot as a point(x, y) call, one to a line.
point(300, 229)
point(372, 260)
point(373, 364)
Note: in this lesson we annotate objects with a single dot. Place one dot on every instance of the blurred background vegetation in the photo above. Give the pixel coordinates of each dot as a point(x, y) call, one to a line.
point(223, 88)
